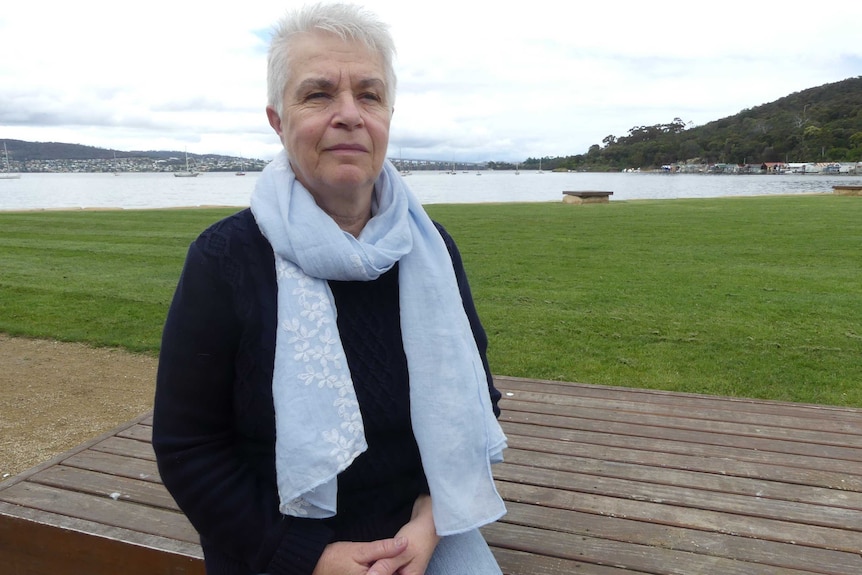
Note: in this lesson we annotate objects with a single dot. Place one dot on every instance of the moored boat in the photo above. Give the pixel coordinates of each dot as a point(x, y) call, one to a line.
point(7, 173)
point(187, 173)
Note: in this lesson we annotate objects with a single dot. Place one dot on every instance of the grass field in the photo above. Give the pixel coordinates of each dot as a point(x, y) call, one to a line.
point(753, 297)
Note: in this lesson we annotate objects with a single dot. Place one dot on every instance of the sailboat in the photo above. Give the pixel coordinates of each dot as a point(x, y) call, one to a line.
point(402, 171)
point(7, 174)
point(241, 171)
point(187, 173)
point(540, 166)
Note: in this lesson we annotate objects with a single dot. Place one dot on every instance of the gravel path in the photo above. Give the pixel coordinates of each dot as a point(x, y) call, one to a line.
point(54, 396)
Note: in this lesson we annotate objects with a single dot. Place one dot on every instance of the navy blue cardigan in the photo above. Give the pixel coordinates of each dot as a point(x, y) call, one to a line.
point(214, 422)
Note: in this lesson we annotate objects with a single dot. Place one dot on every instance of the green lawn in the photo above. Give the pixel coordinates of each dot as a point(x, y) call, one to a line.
point(754, 297)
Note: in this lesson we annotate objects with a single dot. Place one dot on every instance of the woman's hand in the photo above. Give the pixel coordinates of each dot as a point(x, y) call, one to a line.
point(345, 558)
point(422, 539)
point(407, 554)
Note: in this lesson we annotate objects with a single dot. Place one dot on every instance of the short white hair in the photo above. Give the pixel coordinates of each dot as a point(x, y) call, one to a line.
point(348, 22)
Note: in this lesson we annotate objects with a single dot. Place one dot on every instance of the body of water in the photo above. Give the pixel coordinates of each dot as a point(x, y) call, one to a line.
point(146, 191)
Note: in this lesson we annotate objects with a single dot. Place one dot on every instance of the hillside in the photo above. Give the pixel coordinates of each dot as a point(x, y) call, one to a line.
point(22, 151)
point(41, 157)
point(822, 124)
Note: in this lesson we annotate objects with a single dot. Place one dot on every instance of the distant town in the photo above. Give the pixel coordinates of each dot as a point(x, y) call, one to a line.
point(204, 164)
point(139, 164)
point(19, 156)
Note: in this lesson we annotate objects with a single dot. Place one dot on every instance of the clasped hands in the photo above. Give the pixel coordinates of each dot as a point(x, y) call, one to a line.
point(408, 553)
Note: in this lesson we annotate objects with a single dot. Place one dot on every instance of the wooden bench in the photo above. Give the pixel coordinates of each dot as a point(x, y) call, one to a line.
point(847, 190)
point(598, 481)
point(586, 197)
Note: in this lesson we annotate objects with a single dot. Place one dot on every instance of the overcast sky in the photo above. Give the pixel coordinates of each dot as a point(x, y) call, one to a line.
point(477, 80)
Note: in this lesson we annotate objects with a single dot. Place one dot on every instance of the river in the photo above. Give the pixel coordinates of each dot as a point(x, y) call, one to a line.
point(159, 190)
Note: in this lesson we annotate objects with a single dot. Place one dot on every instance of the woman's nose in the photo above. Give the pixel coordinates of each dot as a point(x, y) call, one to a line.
point(347, 112)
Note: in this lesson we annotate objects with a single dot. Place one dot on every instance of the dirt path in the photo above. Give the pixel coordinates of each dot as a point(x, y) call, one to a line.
point(54, 396)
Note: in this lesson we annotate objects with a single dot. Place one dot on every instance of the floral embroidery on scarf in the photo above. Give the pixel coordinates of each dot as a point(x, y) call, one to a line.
point(297, 508)
point(315, 343)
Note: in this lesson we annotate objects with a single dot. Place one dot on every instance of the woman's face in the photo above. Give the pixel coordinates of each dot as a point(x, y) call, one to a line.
point(335, 117)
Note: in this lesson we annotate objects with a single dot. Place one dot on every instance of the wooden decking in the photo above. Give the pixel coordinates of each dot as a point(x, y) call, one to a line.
point(598, 481)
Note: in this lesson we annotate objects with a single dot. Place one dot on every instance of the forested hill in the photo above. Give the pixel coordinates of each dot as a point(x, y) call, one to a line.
point(822, 124)
point(24, 151)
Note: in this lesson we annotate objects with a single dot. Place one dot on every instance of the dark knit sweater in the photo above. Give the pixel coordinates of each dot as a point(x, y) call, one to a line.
point(214, 421)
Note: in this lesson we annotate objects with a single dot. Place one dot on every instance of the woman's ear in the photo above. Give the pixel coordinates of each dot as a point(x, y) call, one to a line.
point(274, 120)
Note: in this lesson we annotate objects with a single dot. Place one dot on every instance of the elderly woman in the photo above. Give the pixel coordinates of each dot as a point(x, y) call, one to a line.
point(323, 403)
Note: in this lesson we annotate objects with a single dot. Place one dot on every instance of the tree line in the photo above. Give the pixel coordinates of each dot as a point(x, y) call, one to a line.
point(822, 124)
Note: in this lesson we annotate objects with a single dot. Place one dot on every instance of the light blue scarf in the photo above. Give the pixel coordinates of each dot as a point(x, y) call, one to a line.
point(319, 430)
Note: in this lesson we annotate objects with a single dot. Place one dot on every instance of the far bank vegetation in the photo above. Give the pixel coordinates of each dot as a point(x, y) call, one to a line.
point(818, 125)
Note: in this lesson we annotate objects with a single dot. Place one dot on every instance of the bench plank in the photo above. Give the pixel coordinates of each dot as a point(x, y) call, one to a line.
point(29, 547)
point(646, 398)
point(123, 446)
point(778, 488)
point(608, 552)
point(524, 484)
point(102, 510)
point(707, 464)
point(115, 464)
point(142, 432)
point(578, 523)
point(101, 484)
point(522, 562)
point(695, 415)
point(701, 431)
point(654, 441)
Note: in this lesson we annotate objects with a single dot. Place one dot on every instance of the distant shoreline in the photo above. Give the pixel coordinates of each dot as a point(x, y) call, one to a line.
point(115, 209)
point(240, 207)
